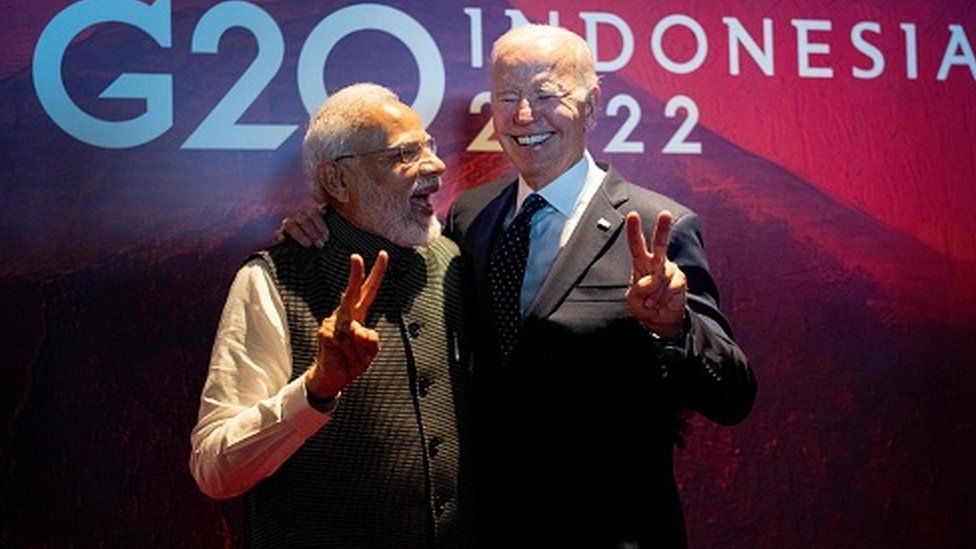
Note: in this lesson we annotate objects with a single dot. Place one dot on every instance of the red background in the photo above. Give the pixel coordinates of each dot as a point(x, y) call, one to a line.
point(838, 218)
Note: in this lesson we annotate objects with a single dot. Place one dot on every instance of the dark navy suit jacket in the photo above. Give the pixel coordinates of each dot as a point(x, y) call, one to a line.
point(575, 436)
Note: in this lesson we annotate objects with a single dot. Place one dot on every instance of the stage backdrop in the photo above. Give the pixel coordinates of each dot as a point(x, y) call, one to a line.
point(828, 147)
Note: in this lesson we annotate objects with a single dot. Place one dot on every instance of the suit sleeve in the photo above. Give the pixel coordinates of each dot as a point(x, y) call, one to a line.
point(710, 372)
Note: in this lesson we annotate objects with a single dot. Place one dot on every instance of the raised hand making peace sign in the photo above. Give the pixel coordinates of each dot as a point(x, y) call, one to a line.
point(346, 347)
point(658, 289)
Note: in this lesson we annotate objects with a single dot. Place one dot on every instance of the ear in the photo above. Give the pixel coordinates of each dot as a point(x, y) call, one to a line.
point(333, 182)
point(590, 106)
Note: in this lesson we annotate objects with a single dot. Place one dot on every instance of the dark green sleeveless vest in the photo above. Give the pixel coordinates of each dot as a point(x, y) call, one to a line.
point(391, 468)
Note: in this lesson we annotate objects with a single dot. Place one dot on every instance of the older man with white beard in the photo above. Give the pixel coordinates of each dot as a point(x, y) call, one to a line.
point(334, 403)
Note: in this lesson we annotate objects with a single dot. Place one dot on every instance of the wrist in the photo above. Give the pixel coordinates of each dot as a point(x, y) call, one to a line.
point(325, 405)
point(318, 388)
point(672, 348)
point(665, 334)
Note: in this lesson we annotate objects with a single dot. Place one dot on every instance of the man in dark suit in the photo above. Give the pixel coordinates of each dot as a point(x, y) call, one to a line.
point(579, 408)
point(588, 344)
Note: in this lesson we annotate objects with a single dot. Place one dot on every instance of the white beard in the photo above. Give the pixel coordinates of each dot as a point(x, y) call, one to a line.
point(391, 217)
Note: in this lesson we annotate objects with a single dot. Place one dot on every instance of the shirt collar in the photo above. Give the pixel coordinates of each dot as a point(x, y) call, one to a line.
point(564, 191)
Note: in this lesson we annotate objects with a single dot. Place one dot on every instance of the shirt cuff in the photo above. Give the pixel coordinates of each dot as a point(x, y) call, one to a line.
point(672, 352)
point(678, 342)
point(297, 412)
point(323, 405)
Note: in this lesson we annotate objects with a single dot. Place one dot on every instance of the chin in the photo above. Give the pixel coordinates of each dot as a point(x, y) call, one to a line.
point(416, 232)
point(531, 164)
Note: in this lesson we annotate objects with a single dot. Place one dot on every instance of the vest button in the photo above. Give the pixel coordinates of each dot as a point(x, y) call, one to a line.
point(432, 446)
point(440, 505)
point(423, 386)
point(414, 329)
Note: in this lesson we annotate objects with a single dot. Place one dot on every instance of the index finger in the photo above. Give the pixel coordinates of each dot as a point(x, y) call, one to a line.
point(372, 285)
point(347, 305)
point(638, 245)
point(662, 234)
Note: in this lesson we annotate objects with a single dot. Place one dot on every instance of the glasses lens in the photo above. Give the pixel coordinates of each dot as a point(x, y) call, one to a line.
point(412, 152)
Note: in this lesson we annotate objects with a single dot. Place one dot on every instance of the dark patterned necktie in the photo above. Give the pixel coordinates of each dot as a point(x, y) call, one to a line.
point(506, 269)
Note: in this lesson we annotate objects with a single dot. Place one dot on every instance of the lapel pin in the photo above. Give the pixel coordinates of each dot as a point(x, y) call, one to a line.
point(603, 224)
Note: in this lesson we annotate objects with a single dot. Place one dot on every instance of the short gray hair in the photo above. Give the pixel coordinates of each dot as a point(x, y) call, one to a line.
point(338, 121)
point(583, 65)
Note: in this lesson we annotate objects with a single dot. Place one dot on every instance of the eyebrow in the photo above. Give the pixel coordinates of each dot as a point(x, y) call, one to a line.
point(420, 140)
point(552, 85)
point(410, 141)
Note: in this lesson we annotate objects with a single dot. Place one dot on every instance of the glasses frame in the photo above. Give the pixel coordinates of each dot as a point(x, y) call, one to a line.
point(403, 150)
point(513, 100)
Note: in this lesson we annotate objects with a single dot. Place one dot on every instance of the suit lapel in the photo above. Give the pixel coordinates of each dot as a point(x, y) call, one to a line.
point(599, 224)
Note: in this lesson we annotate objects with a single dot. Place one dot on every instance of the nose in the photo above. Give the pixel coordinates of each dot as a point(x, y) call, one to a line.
point(431, 164)
point(523, 113)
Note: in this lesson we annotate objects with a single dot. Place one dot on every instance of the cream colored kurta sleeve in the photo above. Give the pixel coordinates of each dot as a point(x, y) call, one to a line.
point(251, 417)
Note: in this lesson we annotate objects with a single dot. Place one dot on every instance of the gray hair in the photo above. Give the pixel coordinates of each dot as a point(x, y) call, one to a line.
point(338, 122)
point(583, 65)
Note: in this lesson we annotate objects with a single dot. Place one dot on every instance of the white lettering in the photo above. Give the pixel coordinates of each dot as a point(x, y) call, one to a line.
point(657, 37)
point(220, 129)
point(958, 52)
point(911, 51)
point(738, 36)
point(592, 21)
point(155, 89)
point(620, 142)
point(342, 23)
point(868, 49)
point(477, 54)
point(804, 48)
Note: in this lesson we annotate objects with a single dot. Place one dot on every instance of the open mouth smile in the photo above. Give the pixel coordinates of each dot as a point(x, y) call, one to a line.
point(420, 200)
point(533, 139)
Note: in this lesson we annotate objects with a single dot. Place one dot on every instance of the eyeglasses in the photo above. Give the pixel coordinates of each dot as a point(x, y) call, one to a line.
point(410, 153)
point(536, 100)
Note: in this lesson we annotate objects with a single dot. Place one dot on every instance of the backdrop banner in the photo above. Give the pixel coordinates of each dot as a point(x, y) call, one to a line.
point(828, 147)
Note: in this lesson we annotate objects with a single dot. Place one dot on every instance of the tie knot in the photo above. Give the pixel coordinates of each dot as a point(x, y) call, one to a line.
point(533, 203)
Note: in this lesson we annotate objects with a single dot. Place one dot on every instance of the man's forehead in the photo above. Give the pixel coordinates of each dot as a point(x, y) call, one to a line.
point(530, 75)
point(394, 122)
point(532, 64)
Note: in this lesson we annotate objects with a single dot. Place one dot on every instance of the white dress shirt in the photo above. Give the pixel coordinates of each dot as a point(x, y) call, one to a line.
point(567, 196)
point(252, 419)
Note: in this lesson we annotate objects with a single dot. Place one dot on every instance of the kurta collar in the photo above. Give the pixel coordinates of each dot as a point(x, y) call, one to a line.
point(366, 244)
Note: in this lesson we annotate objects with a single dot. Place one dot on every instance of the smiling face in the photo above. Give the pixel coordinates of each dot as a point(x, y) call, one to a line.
point(388, 193)
point(540, 107)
